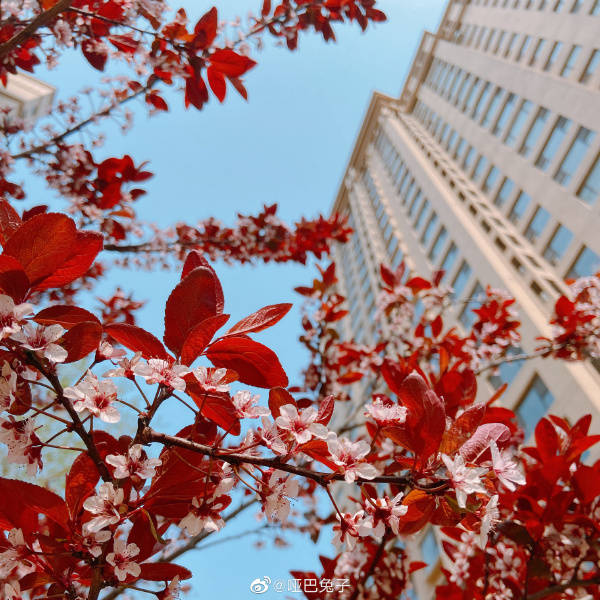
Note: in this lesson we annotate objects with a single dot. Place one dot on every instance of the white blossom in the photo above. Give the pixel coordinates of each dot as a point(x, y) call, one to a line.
point(41, 340)
point(96, 396)
point(466, 480)
point(120, 559)
point(302, 425)
point(349, 456)
point(163, 372)
point(133, 464)
point(105, 505)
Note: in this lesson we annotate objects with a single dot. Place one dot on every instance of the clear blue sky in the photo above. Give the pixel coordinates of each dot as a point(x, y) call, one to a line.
point(289, 144)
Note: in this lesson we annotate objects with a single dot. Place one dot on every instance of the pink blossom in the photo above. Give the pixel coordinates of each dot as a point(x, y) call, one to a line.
point(8, 387)
point(95, 396)
point(465, 480)
point(133, 464)
point(506, 468)
point(24, 446)
point(245, 404)
point(271, 437)
point(346, 531)
point(41, 340)
point(381, 512)
point(386, 413)
point(349, 457)
point(12, 315)
point(126, 367)
point(120, 560)
point(14, 560)
point(205, 516)
point(105, 505)
point(490, 517)
point(212, 380)
point(302, 425)
point(163, 372)
point(276, 492)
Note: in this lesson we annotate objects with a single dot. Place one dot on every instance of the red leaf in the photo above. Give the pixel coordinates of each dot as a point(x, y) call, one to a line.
point(81, 339)
point(462, 429)
point(137, 339)
point(65, 315)
point(255, 364)
point(200, 336)
point(163, 572)
point(42, 244)
point(196, 92)
point(261, 319)
point(239, 86)
point(481, 440)
point(216, 80)
point(96, 59)
point(125, 43)
point(87, 246)
point(80, 483)
point(19, 501)
point(231, 63)
point(326, 410)
point(278, 397)
point(13, 280)
point(9, 221)
point(206, 29)
point(197, 297)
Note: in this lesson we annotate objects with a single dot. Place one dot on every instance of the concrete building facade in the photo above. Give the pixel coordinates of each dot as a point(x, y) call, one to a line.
point(27, 98)
point(487, 166)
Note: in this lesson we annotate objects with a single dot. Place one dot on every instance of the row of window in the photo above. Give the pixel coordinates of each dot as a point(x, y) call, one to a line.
point(507, 115)
point(567, 6)
point(538, 53)
point(478, 165)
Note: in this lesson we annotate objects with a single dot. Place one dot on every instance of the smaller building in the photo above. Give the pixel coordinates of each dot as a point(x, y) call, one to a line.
point(28, 97)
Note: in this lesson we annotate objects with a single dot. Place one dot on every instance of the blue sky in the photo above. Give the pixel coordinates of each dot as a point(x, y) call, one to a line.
point(289, 144)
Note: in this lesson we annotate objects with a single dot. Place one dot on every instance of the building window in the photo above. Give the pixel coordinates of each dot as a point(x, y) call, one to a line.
point(492, 107)
point(449, 259)
point(555, 139)
point(479, 167)
point(574, 156)
point(462, 90)
point(430, 550)
point(469, 158)
point(590, 188)
point(591, 66)
point(499, 42)
point(507, 371)
point(473, 92)
point(537, 224)
point(422, 214)
point(490, 180)
point(414, 205)
point(558, 245)
point(576, 6)
point(504, 114)
point(504, 192)
point(483, 97)
point(518, 122)
point(586, 264)
point(440, 240)
point(489, 40)
point(523, 48)
point(556, 48)
point(534, 405)
point(467, 317)
point(534, 131)
point(570, 62)
point(511, 45)
point(460, 148)
point(429, 229)
point(538, 50)
point(558, 5)
point(595, 10)
point(460, 281)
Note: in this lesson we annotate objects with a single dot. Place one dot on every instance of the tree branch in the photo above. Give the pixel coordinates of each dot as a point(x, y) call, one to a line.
point(40, 21)
point(149, 435)
point(560, 587)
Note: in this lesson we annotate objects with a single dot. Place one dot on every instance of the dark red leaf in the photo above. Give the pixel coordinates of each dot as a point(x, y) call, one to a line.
point(163, 572)
point(200, 336)
point(65, 315)
point(81, 339)
point(261, 319)
point(10, 221)
point(80, 483)
point(13, 280)
point(137, 339)
point(277, 398)
point(255, 364)
point(197, 297)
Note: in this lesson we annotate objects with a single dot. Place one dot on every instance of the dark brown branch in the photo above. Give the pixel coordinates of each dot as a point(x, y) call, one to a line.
point(514, 358)
point(43, 148)
point(77, 425)
point(41, 20)
point(322, 478)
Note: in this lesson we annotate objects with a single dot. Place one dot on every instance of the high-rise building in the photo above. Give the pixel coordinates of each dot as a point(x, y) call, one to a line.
point(27, 97)
point(487, 166)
